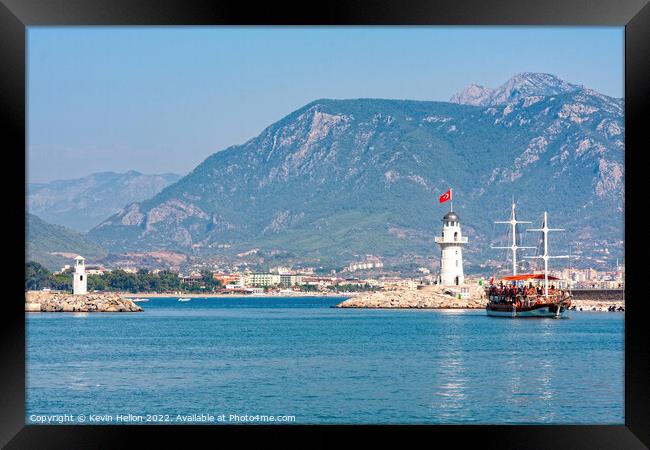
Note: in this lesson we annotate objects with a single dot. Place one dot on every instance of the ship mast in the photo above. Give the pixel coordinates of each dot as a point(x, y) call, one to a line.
point(513, 247)
point(545, 230)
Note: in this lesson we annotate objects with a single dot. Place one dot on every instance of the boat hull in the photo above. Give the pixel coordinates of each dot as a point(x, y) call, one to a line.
point(539, 310)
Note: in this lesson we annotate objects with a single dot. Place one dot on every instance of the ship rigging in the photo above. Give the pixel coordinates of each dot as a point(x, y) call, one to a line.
point(514, 298)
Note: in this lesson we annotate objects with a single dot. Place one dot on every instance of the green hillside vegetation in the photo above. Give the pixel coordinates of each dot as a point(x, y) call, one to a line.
point(44, 239)
point(38, 277)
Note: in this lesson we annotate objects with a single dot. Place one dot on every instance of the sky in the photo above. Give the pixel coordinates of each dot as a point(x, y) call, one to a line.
point(162, 99)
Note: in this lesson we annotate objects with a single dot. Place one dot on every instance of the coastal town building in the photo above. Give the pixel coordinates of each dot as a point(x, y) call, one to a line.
point(232, 279)
point(95, 270)
point(371, 262)
point(262, 279)
point(397, 283)
point(321, 283)
point(591, 278)
point(192, 279)
point(451, 244)
point(281, 270)
point(290, 280)
point(79, 281)
point(350, 282)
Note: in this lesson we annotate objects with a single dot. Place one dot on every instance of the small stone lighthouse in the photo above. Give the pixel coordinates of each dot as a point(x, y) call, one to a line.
point(451, 251)
point(79, 282)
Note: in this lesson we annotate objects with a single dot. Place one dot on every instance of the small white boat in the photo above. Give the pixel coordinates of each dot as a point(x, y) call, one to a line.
point(184, 299)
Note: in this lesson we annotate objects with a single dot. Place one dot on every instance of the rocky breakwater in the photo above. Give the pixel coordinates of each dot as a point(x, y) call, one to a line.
point(597, 305)
point(598, 300)
point(433, 297)
point(65, 302)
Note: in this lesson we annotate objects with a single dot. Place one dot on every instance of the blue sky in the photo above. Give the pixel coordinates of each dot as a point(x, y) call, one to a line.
point(162, 99)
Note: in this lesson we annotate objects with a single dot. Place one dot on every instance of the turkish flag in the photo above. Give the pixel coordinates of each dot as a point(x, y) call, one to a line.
point(446, 196)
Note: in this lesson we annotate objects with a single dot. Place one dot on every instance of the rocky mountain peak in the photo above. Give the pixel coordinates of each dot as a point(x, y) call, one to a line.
point(473, 94)
point(523, 84)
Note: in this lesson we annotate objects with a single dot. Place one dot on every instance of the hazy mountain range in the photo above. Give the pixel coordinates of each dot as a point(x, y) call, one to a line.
point(341, 178)
point(82, 203)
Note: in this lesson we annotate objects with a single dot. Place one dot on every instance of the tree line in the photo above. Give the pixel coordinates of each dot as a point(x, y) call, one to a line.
point(38, 277)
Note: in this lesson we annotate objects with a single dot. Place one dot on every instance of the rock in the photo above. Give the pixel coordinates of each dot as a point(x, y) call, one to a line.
point(431, 297)
point(32, 307)
point(52, 307)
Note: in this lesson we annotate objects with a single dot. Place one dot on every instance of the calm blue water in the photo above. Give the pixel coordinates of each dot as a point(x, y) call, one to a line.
point(300, 357)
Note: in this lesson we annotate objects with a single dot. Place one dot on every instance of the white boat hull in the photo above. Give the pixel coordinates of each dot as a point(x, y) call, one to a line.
point(540, 312)
point(535, 310)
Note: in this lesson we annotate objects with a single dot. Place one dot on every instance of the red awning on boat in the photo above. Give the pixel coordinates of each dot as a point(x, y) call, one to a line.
point(528, 276)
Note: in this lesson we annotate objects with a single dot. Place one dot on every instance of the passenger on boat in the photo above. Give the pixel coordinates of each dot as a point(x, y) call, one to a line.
point(512, 292)
point(493, 293)
point(532, 292)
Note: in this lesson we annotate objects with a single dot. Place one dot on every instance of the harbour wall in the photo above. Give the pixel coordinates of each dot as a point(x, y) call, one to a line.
point(603, 295)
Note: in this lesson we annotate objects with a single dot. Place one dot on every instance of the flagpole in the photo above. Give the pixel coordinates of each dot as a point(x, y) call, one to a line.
point(451, 200)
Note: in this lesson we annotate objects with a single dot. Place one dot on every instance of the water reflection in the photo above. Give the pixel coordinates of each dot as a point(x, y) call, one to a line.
point(450, 394)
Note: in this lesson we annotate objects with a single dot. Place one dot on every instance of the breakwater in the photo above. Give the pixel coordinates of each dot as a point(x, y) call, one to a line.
point(36, 301)
point(599, 294)
point(597, 305)
point(434, 297)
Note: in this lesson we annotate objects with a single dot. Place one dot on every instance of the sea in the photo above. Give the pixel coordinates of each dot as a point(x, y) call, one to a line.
point(299, 360)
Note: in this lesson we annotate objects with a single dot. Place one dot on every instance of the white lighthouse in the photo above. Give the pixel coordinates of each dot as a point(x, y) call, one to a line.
point(451, 251)
point(79, 282)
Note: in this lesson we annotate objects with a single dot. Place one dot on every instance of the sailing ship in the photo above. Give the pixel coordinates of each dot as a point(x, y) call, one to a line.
point(515, 295)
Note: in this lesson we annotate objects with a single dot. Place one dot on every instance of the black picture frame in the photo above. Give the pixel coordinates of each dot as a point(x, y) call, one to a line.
point(16, 15)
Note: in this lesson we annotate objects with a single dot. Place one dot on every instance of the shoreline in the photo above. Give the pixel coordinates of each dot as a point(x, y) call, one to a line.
point(36, 301)
point(215, 295)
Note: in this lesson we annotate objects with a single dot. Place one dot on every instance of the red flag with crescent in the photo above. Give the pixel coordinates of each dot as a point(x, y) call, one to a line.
point(446, 196)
